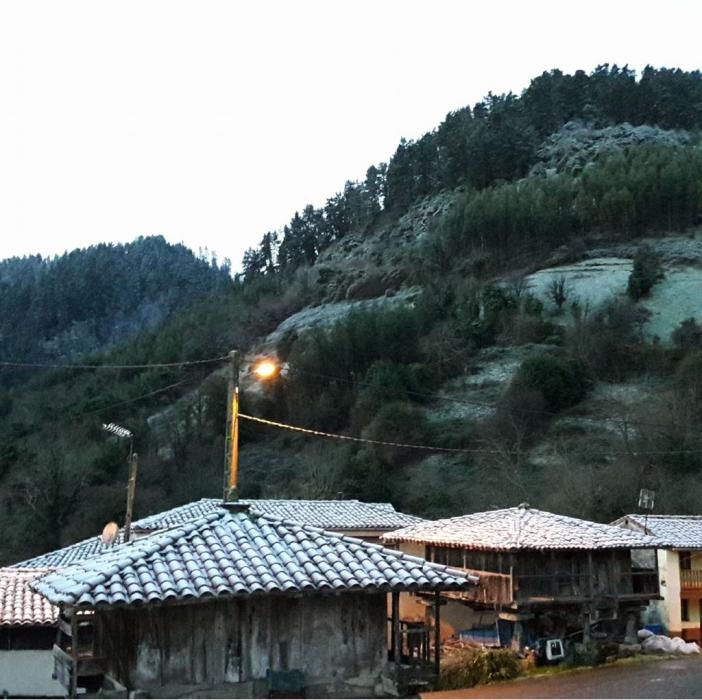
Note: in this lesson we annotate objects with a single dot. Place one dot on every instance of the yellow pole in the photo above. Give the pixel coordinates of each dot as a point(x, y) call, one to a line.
point(231, 447)
point(234, 459)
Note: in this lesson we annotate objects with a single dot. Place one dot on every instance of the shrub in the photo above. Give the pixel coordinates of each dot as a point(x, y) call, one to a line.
point(606, 338)
point(688, 335)
point(562, 380)
point(647, 271)
point(471, 667)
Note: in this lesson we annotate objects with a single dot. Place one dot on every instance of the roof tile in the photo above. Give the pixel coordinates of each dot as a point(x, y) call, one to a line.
point(520, 528)
point(246, 554)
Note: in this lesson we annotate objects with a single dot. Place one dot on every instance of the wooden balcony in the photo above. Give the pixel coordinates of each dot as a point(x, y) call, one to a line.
point(506, 589)
point(690, 579)
point(492, 589)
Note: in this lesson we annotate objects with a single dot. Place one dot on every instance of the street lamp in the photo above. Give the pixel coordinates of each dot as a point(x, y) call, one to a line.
point(263, 368)
point(121, 432)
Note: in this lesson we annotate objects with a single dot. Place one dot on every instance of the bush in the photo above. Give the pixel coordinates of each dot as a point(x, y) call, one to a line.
point(688, 335)
point(607, 338)
point(562, 380)
point(647, 271)
point(471, 667)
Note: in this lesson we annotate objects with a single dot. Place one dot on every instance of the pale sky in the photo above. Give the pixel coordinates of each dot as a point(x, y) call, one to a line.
point(211, 122)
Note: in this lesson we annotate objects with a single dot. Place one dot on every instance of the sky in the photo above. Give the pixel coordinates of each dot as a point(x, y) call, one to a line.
point(211, 122)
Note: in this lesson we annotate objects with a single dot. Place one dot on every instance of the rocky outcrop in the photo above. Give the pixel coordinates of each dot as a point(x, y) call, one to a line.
point(577, 144)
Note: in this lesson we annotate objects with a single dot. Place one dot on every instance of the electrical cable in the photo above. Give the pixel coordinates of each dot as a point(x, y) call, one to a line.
point(152, 365)
point(428, 448)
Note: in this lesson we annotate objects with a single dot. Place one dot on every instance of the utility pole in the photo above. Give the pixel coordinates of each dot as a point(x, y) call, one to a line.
point(231, 442)
point(121, 432)
point(131, 489)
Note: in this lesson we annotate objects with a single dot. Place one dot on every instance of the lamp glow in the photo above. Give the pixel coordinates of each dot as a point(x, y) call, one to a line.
point(266, 369)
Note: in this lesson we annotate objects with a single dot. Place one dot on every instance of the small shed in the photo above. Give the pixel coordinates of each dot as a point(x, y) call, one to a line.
point(541, 574)
point(221, 603)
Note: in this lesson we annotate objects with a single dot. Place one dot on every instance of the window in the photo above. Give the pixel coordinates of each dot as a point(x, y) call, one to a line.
point(684, 610)
point(685, 560)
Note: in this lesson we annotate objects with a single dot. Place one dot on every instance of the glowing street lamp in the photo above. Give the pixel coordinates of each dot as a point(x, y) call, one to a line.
point(264, 369)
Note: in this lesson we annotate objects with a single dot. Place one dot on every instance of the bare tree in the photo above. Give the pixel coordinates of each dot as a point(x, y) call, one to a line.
point(558, 291)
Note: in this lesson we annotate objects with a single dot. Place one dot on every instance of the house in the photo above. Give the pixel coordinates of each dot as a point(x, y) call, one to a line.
point(344, 516)
point(349, 517)
point(679, 570)
point(366, 520)
point(541, 574)
point(27, 633)
point(220, 604)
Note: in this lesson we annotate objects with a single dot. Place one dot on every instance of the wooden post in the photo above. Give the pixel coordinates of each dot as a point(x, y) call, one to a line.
point(131, 490)
point(437, 634)
point(590, 576)
point(231, 441)
point(586, 624)
point(74, 654)
point(396, 636)
point(554, 575)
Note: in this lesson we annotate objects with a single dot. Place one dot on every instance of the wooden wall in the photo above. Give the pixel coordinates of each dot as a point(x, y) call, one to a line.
point(339, 642)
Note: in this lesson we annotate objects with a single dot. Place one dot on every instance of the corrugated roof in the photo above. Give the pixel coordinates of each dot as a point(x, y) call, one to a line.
point(18, 604)
point(241, 554)
point(674, 531)
point(331, 515)
point(520, 528)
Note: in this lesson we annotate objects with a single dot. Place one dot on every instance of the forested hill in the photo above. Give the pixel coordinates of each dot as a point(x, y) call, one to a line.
point(62, 308)
point(518, 287)
point(497, 140)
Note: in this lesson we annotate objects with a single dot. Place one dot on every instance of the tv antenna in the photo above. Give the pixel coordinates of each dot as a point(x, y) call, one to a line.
point(647, 499)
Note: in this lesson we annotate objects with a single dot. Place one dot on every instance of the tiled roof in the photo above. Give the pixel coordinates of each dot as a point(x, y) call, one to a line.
point(674, 531)
point(520, 528)
point(18, 604)
point(66, 556)
point(241, 554)
point(331, 515)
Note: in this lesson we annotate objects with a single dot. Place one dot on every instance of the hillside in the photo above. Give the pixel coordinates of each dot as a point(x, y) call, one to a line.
point(86, 301)
point(517, 288)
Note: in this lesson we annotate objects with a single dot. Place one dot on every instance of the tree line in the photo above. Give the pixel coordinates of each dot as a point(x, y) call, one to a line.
point(477, 147)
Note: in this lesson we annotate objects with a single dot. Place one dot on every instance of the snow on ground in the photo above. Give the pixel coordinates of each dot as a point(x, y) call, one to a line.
point(591, 282)
point(677, 297)
point(328, 314)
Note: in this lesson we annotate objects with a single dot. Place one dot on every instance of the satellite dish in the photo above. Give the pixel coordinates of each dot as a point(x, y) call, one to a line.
point(109, 533)
point(646, 499)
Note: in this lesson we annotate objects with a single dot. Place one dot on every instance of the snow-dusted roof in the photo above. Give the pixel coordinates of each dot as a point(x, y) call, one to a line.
point(239, 554)
point(18, 604)
point(520, 528)
point(331, 515)
point(674, 531)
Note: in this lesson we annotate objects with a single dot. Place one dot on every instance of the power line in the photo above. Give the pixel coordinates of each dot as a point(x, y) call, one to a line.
point(429, 448)
point(134, 400)
point(150, 365)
